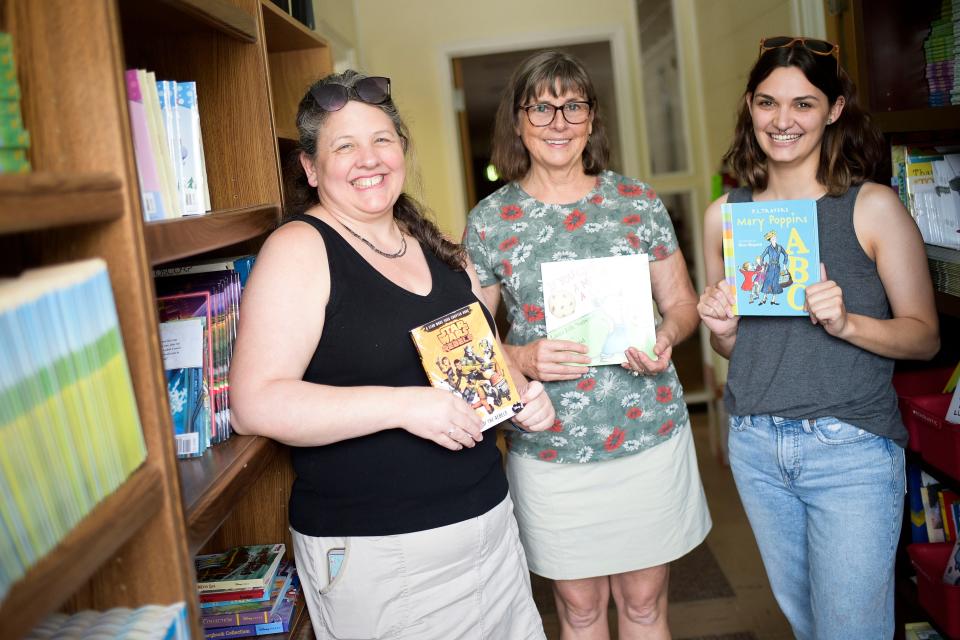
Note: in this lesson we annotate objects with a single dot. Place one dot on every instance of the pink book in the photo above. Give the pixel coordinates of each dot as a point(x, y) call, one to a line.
point(146, 161)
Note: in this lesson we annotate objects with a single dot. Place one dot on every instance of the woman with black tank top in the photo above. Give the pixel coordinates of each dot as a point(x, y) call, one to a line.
point(816, 441)
point(401, 522)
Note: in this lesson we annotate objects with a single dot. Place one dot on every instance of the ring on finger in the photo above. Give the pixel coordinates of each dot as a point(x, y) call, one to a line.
point(635, 373)
point(450, 432)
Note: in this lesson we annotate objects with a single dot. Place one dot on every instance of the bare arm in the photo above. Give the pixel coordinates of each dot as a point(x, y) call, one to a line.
point(716, 303)
point(281, 323)
point(890, 237)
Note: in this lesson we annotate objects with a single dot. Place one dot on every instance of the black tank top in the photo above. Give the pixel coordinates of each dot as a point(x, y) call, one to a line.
point(391, 481)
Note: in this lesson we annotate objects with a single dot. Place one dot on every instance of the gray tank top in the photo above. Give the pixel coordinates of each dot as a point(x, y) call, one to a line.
point(792, 368)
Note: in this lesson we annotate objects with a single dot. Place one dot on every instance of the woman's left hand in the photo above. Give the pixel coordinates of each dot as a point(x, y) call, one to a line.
point(641, 364)
point(537, 413)
point(824, 301)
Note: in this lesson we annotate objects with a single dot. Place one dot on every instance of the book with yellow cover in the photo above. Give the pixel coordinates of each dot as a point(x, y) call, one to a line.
point(460, 354)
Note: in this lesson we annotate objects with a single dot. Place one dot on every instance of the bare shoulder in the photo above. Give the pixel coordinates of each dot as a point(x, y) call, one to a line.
point(714, 208)
point(880, 219)
point(294, 245)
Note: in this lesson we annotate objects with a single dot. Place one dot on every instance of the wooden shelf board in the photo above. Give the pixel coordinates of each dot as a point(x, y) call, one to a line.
point(43, 200)
point(284, 33)
point(287, 136)
point(213, 484)
point(110, 525)
point(190, 16)
point(183, 237)
point(932, 118)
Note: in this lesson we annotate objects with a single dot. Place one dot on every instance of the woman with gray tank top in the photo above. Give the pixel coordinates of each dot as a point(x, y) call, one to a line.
point(816, 441)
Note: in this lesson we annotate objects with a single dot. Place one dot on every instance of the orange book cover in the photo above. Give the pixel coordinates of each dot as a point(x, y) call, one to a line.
point(460, 354)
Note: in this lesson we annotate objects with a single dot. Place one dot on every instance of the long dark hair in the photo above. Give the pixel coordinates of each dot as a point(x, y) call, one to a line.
point(409, 213)
point(558, 73)
point(852, 149)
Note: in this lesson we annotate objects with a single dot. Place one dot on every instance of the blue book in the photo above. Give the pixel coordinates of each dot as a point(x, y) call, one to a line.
point(771, 253)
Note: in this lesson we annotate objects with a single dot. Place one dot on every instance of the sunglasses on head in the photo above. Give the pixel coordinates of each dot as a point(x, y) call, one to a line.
point(813, 45)
point(334, 96)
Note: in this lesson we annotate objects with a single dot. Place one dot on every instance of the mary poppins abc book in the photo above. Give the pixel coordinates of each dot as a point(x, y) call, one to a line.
point(771, 252)
point(460, 354)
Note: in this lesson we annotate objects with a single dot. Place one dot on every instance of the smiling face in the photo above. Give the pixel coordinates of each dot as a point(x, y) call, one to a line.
point(559, 145)
point(789, 116)
point(359, 168)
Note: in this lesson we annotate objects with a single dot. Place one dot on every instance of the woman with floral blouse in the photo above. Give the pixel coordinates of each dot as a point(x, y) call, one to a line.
point(611, 494)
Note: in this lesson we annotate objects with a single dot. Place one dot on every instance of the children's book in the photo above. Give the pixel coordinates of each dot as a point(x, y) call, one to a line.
point(931, 507)
point(920, 631)
point(460, 354)
point(279, 621)
point(244, 567)
point(234, 615)
point(210, 599)
point(771, 253)
point(151, 191)
point(604, 303)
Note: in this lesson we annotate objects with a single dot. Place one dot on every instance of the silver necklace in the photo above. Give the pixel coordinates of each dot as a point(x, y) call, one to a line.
point(399, 253)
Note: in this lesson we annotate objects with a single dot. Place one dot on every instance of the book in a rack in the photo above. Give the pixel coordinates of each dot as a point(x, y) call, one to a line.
point(605, 303)
point(243, 567)
point(460, 354)
point(253, 612)
point(771, 253)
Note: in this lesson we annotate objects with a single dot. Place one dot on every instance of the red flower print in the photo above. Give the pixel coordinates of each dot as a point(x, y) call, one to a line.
point(509, 243)
point(587, 384)
point(483, 234)
point(665, 428)
point(615, 439)
point(575, 220)
point(632, 219)
point(633, 240)
point(507, 268)
point(511, 212)
point(533, 312)
point(548, 455)
point(629, 190)
point(634, 412)
point(557, 426)
point(650, 193)
point(660, 252)
point(596, 199)
point(664, 394)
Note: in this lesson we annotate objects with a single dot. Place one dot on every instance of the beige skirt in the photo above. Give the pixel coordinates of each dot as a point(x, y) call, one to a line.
point(586, 520)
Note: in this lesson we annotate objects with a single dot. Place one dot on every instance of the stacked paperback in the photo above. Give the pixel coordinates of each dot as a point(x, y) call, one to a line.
point(927, 179)
point(199, 306)
point(168, 146)
point(152, 622)
point(69, 428)
point(941, 51)
point(246, 591)
point(14, 140)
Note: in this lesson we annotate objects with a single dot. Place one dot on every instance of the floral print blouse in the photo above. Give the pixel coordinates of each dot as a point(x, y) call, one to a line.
point(607, 413)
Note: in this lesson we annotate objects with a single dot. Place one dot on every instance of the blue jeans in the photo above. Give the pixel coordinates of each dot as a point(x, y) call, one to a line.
point(825, 501)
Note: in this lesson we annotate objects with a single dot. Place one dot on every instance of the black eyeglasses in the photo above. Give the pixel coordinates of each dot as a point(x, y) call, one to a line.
point(334, 96)
point(543, 113)
point(813, 45)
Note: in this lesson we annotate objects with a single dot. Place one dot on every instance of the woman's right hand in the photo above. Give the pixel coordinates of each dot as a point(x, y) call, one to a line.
point(716, 310)
point(440, 416)
point(550, 360)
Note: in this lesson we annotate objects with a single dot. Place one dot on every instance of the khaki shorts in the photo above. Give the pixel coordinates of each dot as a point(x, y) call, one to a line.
point(464, 580)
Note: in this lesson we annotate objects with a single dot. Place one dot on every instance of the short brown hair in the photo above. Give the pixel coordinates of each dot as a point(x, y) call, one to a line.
point(558, 73)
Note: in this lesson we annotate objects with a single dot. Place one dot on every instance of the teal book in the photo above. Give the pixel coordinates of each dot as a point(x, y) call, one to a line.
point(771, 253)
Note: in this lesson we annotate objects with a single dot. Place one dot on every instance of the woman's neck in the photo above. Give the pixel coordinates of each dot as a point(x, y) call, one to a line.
point(792, 182)
point(557, 186)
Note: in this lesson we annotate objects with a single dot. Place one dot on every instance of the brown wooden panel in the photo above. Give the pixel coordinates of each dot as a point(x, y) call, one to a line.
point(182, 237)
point(291, 74)
point(43, 199)
point(285, 33)
point(50, 582)
point(937, 119)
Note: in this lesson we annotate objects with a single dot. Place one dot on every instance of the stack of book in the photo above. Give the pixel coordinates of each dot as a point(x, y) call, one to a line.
point(944, 269)
point(70, 432)
point(168, 146)
point(152, 622)
point(246, 591)
point(925, 179)
point(14, 139)
point(199, 307)
point(941, 51)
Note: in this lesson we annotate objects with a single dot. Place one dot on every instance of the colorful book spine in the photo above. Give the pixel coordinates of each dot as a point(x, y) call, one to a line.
point(14, 138)
point(151, 190)
point(166, 622)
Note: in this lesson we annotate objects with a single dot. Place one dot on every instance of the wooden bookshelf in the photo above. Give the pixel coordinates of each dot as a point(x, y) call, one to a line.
point(136, 547)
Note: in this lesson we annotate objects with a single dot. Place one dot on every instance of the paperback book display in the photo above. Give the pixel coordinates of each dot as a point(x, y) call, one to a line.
point(256, 618)
point(926, 179)
point(460, 354)
point(14, 139)
point(168, 146)
point(69, 428)
point(771, 252)
point(152, 622)
point(941, 51)
point(604, 303)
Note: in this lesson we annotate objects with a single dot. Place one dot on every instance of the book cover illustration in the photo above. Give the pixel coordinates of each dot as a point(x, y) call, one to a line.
point(951, 574)
point(460, 354)
point(771, 253)
point(252, 612)
point(604, 303)
point(280, 620)
point(244, 567)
